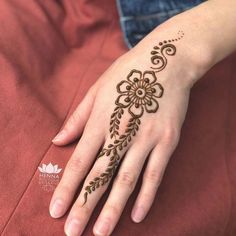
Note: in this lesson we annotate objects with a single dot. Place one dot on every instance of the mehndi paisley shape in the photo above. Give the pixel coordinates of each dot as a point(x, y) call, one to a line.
point(137, 94)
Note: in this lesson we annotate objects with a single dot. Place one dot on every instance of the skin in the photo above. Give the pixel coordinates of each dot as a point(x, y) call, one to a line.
point(210, 38)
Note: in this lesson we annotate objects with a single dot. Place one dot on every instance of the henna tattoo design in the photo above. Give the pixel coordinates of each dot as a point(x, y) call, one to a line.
point(115, 121)
point(137, 94)
point(113, 151)
point(159, 53)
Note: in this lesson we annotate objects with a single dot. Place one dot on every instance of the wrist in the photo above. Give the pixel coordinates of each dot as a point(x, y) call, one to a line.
point(195, 54)
point(190, 62)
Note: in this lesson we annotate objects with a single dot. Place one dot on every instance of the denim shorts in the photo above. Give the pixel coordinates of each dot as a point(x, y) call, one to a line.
point(139, 17)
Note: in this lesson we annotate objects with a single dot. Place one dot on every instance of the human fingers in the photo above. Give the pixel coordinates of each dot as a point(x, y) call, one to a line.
point(122, 188)
point(152, 178)
point(96, 182)
point(77, 121)
point(76, 168)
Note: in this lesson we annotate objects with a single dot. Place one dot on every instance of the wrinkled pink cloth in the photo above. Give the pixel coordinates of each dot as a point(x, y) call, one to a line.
point(51, 52)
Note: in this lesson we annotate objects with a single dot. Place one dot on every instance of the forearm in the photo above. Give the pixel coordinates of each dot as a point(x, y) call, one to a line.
point(209, 35)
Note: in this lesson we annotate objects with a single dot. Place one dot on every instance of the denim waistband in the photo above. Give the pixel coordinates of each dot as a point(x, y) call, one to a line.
point(139, 17)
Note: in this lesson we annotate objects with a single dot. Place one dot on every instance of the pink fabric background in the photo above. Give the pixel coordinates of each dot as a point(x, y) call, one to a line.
point(50, 54)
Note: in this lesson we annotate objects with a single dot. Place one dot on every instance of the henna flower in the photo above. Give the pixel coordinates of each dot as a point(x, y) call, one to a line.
point(139, 92)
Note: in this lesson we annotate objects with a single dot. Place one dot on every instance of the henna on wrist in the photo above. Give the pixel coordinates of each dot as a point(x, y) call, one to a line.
point(137, 94)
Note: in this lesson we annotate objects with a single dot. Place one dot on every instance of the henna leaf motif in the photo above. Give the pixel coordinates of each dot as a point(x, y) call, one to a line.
point(115, 122)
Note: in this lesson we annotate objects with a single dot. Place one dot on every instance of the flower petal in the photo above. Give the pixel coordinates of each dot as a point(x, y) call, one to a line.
point(55, 168)
point(49, 168)
point(122, 87)
point(58, 171)
point(152, 106)
point(120, 101)
point(136, 111)
point(40, 169)
point(156, 90)
point(44, 167)
point(149, 77)
point(134, 76)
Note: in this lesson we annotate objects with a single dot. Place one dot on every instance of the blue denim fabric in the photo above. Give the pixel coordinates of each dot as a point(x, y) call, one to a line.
point(139, 17)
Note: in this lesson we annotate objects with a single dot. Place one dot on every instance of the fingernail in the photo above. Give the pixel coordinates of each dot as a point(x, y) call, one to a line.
point(73, 228)
point(60, 136)
point(102, 227)
point(57, 209)
point(138, 214)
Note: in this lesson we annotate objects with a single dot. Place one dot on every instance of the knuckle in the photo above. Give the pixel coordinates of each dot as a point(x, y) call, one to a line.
point(171, 136)
point(148, 130)
point(126, 179)
point(86, 209)
point(76, 164)
point(147, 197)
point(112, 209)
point(153, 176)
point(97, 172)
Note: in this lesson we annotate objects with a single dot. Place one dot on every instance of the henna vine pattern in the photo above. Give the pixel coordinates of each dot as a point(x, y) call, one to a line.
point(137, 94)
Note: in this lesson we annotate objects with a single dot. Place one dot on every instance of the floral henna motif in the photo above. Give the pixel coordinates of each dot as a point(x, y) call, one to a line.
point(137, 94)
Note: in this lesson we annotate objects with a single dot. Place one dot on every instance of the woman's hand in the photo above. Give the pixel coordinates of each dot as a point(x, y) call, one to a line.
point(135, 112)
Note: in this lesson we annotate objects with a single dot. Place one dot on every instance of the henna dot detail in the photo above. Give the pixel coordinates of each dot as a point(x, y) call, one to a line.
point(128, 87)
point(140, 93)
point(135, 80)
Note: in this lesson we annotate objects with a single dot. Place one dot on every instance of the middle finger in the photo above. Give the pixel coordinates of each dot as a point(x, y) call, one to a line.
point(122, 188)
point(95, 185)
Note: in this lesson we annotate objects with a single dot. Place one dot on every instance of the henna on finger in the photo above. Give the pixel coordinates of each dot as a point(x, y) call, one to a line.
point(137, 94)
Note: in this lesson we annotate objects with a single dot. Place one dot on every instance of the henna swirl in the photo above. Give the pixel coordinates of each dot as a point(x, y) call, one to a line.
point(159, 59)
point(159, 53)
point(137, 94)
